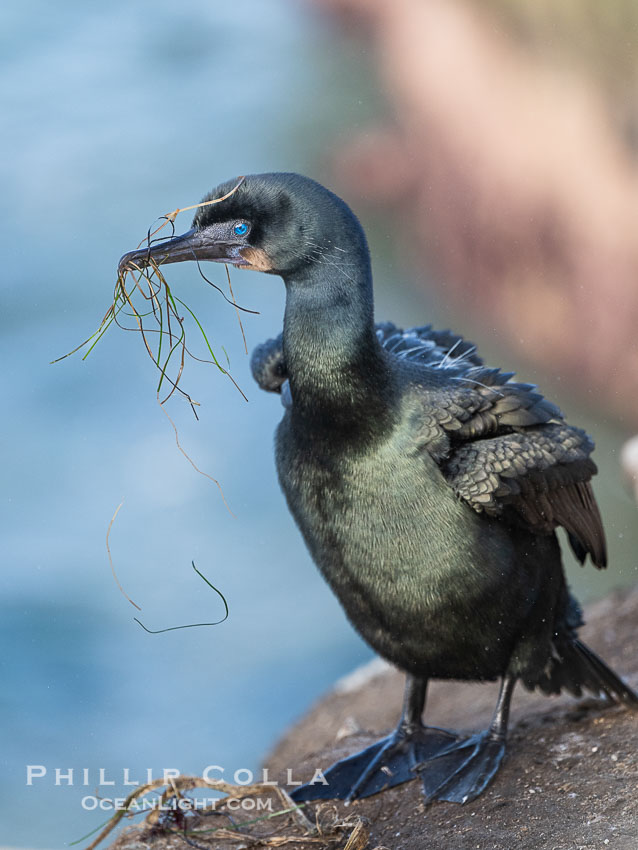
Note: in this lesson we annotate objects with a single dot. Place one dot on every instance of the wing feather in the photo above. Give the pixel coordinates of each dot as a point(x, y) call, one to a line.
point(540, 477)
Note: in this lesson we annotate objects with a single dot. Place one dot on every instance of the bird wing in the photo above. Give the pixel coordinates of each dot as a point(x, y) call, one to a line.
point(507, 452)
point(441, 349)
point(269, 366)
point(539, 476)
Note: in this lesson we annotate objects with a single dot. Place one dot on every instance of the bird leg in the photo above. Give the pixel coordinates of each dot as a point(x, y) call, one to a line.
point(464, 771)
point(387, 762)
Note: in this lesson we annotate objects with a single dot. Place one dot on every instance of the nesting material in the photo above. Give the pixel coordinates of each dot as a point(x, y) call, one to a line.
point(144, 302)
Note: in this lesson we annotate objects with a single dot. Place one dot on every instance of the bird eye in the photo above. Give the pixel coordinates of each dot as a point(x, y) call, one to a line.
point(240, 229)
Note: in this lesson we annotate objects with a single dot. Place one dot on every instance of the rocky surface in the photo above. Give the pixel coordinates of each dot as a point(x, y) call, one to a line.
point(570, 780)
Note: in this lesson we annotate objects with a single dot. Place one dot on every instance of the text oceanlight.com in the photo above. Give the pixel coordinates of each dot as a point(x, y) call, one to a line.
point(182, 804)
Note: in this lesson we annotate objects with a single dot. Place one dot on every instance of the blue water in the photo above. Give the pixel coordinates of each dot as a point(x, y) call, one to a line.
point(114, 114)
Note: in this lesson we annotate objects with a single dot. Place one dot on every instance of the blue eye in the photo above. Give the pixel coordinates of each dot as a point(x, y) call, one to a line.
point(240, 229)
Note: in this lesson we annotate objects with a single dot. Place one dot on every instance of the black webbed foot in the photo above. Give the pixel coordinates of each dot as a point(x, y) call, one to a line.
point(464, 772)
point(451, 766)
point(382, 765)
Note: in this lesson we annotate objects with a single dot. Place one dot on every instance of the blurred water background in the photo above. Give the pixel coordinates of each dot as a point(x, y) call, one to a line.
point(114, 114)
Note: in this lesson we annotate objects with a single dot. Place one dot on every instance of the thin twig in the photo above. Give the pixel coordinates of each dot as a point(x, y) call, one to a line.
point(232, 295)
point(191, 461)
point(108, 549)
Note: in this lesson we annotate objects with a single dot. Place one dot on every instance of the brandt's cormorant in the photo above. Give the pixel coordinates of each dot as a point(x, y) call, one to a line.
point(427, 487)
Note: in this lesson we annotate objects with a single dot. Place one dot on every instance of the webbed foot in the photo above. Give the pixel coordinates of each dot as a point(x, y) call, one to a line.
point(382, 765)
point(451, 766)
point(464, 772)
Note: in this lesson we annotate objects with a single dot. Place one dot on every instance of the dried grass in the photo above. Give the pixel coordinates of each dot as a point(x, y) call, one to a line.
point(144, 302)
point(174, 822)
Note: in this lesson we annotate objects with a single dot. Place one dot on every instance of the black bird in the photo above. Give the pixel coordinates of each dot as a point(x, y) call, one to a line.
point(427, 487)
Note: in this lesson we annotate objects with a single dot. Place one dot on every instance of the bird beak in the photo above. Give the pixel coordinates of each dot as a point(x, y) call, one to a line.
point(193, 245)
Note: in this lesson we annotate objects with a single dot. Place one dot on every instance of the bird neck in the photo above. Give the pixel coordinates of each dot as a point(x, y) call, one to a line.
point(335, 364)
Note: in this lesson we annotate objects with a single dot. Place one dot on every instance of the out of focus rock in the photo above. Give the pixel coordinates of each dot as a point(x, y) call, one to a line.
point(510, 167)
point(630, 463)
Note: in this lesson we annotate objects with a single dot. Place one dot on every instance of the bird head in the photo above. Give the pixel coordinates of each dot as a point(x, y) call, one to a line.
point(276, 223)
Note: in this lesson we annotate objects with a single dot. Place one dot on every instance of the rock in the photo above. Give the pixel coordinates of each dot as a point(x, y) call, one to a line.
point(569, 780)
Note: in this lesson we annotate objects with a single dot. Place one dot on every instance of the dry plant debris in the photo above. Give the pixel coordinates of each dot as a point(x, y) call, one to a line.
point(176, 821)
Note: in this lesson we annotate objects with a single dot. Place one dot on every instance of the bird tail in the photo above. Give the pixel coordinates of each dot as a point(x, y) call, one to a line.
point(578, 667)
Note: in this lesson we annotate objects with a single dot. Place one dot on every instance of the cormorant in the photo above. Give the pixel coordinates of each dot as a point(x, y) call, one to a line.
point(428, 488)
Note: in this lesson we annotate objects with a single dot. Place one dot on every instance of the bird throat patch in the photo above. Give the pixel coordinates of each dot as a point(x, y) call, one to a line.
point(258, 259)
